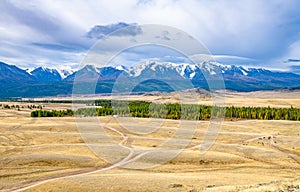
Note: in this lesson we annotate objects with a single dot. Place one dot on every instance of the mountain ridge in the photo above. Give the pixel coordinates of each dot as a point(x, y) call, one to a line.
point(42, 81)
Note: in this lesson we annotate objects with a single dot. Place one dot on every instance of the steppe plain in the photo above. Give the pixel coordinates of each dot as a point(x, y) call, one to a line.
point(49, 154)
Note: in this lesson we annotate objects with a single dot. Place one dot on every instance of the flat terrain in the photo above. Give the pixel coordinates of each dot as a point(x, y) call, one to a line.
point(280, 98)
point(103, 154)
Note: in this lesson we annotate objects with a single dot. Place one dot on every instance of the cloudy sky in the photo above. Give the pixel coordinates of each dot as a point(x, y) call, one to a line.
point(264, 33)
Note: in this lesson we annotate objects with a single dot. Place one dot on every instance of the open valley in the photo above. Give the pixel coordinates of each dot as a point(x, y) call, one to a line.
point(50, 154)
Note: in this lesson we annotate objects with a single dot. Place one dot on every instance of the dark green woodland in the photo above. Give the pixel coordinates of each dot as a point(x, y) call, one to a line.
point(174, 111)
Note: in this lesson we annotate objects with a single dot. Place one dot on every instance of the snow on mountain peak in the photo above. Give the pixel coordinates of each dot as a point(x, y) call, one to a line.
point(64, 73)
point(185, 70)
point(120, 67)
point(158, 66)
point(30, 70)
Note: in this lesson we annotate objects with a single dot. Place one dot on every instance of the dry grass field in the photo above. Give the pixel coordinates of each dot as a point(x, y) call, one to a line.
point(280, 98)
point(248, 155)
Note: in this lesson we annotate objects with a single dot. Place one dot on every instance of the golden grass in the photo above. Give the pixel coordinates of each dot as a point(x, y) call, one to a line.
point(243, 157)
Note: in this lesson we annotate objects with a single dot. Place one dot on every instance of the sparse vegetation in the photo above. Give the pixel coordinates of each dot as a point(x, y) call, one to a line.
point(19, 107)
point(34, 107)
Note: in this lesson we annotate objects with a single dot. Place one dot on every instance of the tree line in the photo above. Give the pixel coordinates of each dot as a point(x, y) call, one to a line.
point(176, 111)
point(53, 113)
point(19, 107)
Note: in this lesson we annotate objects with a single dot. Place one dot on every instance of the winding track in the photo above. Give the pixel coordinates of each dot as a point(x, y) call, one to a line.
point(273, 145)
point(124, 161)
point(130, 158)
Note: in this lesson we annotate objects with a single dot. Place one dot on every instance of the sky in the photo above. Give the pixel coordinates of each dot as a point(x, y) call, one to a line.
point(55, 33)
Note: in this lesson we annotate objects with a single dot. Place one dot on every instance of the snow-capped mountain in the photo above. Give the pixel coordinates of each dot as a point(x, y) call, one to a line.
point(42, 74)
point(46, 82)
point(92, 73)
point(171, 70)
point(13, 73)
point(152, 69)
point(64, 73)
point(235, 77)
point(12, 77)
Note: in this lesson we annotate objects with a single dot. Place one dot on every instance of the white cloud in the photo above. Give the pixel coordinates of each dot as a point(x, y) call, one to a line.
point(260, 30)
point(293, 51)
point(289, 60)
point(231, 59)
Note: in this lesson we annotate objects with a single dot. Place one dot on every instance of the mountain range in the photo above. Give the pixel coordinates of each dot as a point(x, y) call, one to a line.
point(16, 82)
